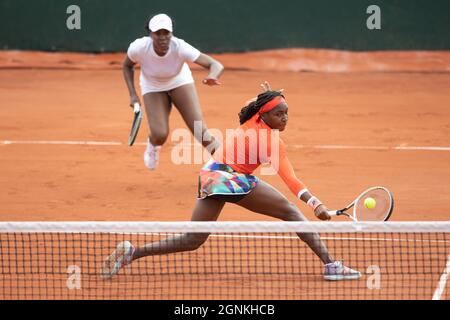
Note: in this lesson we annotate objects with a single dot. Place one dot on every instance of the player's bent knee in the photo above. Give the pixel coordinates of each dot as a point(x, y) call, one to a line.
point(196, 240)
point(159, 138)
point(292, 213)
point(309, 237)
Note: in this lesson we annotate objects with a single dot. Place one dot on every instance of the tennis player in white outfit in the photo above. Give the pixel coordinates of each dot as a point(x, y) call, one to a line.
point(166, 79)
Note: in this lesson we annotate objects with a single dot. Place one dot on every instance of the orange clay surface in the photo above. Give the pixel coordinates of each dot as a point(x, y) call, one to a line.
point(72, 97)
point(81, 182)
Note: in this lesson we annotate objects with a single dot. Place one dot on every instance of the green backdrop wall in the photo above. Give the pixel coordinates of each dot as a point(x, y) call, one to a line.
point(228, 25)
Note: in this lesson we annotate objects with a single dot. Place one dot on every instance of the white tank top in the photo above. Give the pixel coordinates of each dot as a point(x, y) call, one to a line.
point(163, 73)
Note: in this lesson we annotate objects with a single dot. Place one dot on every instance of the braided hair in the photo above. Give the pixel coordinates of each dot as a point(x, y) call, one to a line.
point(253, 107)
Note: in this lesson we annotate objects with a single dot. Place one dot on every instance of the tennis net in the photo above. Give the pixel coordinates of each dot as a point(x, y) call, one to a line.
point(239, 260)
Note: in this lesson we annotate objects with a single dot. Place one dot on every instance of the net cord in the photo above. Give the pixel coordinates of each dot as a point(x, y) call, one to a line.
point(225, 227)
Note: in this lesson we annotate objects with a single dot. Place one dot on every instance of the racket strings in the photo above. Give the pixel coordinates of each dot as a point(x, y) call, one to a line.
point(382, 209)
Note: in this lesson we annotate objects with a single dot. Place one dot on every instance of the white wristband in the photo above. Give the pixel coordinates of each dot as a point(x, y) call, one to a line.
point(313, 202)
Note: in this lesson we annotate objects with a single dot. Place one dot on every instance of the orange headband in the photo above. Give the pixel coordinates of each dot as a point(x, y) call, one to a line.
point(271, 104)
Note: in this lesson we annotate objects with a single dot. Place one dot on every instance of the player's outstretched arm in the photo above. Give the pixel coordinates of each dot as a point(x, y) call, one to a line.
point(128, 74)
point(215, 69)
point(321, 211)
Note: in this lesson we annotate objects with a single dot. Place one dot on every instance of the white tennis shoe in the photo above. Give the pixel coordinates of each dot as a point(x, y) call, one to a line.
point(336, 271)
point(151, 155)
point(122, 256)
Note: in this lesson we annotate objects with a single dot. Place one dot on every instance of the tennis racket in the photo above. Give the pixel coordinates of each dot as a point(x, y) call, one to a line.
point(384, 204)
point(136, 124)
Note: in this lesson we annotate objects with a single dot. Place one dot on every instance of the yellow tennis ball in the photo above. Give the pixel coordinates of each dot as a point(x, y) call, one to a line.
point(370, 203)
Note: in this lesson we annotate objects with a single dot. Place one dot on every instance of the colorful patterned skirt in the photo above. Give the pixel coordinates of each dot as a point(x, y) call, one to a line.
point(220, 181)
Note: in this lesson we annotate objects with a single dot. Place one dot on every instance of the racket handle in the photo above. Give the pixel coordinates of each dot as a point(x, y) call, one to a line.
point(137, 107)
point(334, 213)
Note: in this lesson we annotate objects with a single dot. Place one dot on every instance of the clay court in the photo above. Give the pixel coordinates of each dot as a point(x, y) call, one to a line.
point(347, 131)
point(65, 122)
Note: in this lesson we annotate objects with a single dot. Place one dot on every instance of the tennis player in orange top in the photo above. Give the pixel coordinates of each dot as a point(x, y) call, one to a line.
point(228, 178)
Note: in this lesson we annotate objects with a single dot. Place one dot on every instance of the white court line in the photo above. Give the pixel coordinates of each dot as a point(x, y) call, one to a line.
point(344, 147)
point(44, 142)
point(295, 146)
point(339, 147)
point(442, 281)
point(423, 148)
point(324, 238)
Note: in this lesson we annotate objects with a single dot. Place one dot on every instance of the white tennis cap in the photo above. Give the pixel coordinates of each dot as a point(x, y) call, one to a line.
point(160, 21)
